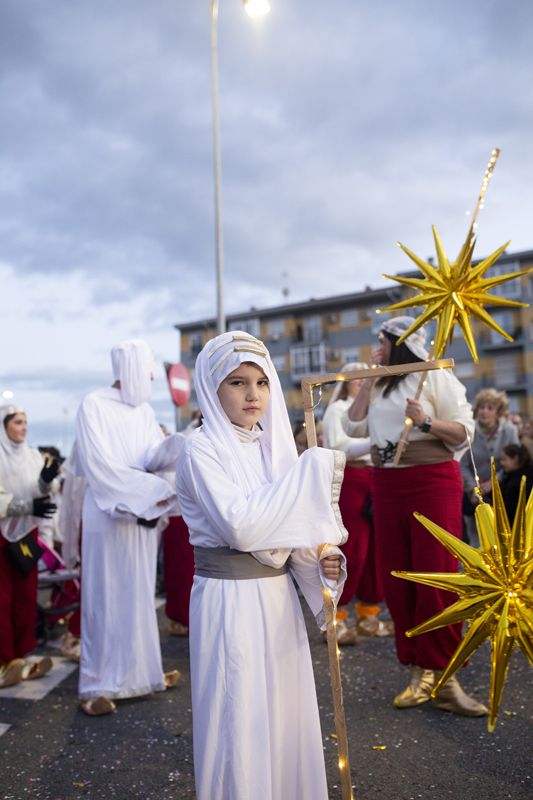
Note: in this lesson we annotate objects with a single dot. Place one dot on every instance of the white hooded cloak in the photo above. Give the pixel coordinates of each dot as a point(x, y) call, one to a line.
point(119, 447)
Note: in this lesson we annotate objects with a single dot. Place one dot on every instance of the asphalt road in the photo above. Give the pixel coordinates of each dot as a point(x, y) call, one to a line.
point(51, 751)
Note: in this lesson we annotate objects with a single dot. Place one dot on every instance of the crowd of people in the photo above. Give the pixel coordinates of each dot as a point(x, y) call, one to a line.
point(247, 519)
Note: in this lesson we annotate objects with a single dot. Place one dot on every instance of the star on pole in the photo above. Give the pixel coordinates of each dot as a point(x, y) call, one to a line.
point(495, 590)
point(454, 292)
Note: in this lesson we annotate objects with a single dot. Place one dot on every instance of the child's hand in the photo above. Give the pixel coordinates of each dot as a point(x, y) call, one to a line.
point(331, 567)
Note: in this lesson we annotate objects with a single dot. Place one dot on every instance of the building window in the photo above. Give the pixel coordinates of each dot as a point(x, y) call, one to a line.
point(250, 325)
point(351, 354)
point(275, 329)
point(505, 373)
point(312, 329)
point(279, 363)
point(511, 289)
point(195, 343)
point(349, 318)
point(505, 320)
point(308, 360)
point(464, 369)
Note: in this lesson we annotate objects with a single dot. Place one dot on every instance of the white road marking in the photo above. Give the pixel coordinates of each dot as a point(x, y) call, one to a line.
point(4, 728)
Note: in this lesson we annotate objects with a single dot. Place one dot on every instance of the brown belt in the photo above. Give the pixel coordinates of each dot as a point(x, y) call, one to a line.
point(358, 463)
point(422, 451)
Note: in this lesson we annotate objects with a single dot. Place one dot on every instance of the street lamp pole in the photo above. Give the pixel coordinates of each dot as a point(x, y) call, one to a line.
point(254, 8)
point(219, 242)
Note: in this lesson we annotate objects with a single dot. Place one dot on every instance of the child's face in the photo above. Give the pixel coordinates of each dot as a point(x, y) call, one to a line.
point(509, 463)
point(244, 395)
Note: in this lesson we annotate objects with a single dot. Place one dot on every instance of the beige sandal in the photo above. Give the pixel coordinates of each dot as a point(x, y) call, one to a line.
point(11, 673)
point(372, 626)
point(177, 628)
point(36, 669)
point(97, 706)
point(172, 678)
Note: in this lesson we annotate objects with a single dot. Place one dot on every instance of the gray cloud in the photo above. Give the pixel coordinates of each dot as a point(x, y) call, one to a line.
point(345, 126)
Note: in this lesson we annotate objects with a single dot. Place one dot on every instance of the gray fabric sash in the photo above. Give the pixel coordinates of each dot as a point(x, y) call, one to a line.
point(229, 564)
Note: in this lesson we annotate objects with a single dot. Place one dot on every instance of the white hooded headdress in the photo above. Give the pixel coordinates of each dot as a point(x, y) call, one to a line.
point(133, 365)
point(20, 467)
point(216, 361)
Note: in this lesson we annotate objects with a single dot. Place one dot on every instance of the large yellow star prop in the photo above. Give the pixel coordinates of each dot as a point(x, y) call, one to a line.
point(454, 292)
point(495, 590)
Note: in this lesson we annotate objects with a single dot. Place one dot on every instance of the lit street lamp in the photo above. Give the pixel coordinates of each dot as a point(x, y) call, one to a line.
point(254, 8)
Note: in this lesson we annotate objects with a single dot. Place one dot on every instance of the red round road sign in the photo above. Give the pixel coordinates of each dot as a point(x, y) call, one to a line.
point(179, 383)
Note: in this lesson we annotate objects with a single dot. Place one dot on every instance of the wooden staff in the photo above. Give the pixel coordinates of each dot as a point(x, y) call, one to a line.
point(408, 422)
point(309, 383)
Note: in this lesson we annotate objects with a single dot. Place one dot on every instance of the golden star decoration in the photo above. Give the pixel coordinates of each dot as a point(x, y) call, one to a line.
point(495, 590)
point(454, 293)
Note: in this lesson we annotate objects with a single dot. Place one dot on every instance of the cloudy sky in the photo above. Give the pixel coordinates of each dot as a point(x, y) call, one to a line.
point(346, 125)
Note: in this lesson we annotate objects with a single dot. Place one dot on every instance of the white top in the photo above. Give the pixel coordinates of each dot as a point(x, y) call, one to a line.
point(336, 437)
point(20, 468)
point(443, 397)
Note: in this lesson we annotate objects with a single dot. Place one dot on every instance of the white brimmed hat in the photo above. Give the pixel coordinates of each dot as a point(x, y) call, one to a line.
point(416, 341)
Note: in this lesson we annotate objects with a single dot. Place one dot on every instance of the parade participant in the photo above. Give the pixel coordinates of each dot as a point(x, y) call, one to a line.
point(427, 480)
point(493, 431)
point(26, 483)
point(249, 501)
point(515, 463)
point(178, 561)
point(364, 577)
point(119, 446)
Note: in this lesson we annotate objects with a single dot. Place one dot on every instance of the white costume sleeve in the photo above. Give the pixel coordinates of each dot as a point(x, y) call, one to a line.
point(164, 455)
point(336, 437)
point(304, 565)
point(298, 510)
point(117, 488)
point(353, 429)
point(448, 397)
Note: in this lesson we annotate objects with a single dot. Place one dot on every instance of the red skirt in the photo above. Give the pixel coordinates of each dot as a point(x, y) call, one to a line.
point(18, 608)
point(364, 579)
point(434, 490)
point(178, 569)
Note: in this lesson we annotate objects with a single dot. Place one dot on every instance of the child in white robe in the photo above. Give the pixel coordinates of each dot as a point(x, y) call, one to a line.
point(257, 515)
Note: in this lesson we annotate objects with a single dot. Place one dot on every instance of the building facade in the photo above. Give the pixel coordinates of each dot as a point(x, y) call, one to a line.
point(320, 336)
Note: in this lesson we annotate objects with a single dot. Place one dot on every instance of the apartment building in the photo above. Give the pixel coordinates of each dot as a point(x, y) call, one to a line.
point(320, 335)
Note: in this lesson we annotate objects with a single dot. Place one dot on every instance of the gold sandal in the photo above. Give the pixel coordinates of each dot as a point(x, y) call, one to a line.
point(97, 706)
point(172, 678)
point(11, 673)
point(36, 669)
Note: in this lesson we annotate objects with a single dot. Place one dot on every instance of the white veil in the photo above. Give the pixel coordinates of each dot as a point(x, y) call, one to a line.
point(216, 361)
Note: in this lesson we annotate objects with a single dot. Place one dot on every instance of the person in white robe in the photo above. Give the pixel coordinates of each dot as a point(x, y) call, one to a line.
point(119, 447)
point(257, 515)
point(26, 484)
